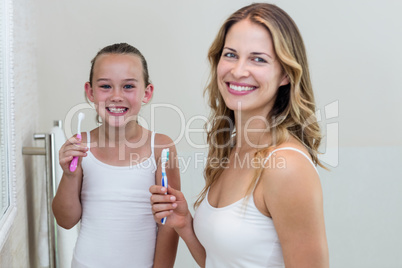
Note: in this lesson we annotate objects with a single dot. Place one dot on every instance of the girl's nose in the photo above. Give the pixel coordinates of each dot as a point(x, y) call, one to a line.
point(117, 95)
point(240, 69)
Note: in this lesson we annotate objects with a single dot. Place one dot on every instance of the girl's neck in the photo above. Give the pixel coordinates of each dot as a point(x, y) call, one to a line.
point(115, 136)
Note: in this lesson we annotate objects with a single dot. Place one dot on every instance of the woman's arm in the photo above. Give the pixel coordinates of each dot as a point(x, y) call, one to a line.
point(293, 197)
point(66, 203)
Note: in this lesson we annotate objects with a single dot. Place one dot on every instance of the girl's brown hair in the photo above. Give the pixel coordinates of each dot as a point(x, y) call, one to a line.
point(121, 48)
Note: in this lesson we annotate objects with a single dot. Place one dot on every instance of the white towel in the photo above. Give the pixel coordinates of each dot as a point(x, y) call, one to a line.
point(66, 239)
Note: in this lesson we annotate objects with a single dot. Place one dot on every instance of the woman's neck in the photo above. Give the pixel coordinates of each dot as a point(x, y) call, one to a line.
point(252, 131)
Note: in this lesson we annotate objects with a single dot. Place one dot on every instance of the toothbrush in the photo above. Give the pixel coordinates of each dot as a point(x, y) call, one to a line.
point(74, 162)
point(165, 158)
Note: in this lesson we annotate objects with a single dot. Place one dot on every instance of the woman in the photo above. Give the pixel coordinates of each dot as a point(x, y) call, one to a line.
point(262, 204)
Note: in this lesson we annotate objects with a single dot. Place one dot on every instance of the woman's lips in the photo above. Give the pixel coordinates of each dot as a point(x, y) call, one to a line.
point(239, 89)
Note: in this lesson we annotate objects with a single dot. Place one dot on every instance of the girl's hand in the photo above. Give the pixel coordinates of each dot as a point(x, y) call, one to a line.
point(72, 147)
point(173, 206)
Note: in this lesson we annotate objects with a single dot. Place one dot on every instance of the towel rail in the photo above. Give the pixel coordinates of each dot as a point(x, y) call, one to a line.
point(48, 151)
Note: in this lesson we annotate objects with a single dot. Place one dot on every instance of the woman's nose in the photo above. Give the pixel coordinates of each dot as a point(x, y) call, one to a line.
point(240, 69)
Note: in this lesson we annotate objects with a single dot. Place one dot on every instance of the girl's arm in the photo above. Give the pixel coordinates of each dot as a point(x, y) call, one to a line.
point(174, 207)
point(293, 196)
point(66, 203)
point(187, 234)
point(167, 239)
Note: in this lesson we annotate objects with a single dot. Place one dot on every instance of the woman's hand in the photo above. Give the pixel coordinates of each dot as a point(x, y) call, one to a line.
point(72, 147)
point(172, 205)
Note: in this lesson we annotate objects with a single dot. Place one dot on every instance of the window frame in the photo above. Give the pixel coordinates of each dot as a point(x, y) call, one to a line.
point(7, 99)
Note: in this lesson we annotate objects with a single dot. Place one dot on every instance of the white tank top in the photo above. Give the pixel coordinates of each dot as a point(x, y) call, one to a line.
point(239, 235)
point(117, 225)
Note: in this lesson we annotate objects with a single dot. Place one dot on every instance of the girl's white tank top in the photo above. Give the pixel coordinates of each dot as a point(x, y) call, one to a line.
point(117, 225)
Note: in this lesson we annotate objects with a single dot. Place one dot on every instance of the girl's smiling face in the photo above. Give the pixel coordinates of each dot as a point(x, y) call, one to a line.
point(248, 72)
point(118, 88)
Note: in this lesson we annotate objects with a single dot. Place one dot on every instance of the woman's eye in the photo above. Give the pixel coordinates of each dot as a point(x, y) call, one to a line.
point(229, 55)
point(258, 59)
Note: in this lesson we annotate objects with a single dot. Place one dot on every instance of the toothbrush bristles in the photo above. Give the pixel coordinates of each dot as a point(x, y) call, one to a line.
point(165, 158)
point(81, 116)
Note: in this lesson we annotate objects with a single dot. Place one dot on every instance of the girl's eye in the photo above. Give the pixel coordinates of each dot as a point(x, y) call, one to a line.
point(128, 86)
point(105, 86)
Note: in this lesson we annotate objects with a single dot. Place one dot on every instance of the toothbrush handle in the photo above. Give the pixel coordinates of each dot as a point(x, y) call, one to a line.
point(164, 184)
point(74, 162)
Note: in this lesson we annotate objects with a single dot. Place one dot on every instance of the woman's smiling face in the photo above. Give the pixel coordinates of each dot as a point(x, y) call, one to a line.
point(248, 73)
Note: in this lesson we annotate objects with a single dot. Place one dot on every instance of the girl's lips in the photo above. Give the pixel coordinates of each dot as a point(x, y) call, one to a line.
point(240, 89)
point(117, 111)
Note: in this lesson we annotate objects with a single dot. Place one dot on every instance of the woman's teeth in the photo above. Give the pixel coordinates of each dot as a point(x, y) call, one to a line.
point(240, 88)
point(117, 110)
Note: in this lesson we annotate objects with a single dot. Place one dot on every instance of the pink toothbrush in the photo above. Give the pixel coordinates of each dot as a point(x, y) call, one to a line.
point(74, 162)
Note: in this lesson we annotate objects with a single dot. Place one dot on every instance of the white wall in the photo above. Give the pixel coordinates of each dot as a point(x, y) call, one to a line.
point(21, 247)
point(354, 53)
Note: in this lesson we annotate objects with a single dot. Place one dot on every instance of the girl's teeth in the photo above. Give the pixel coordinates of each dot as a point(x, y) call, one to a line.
point(117, 110)
point(240, 88)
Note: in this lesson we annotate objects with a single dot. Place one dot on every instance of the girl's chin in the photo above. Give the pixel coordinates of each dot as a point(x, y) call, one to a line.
point(119, 121)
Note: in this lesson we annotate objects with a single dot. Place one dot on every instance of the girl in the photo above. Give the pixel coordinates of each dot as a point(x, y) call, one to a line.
point(262, 206)
point(108, 191)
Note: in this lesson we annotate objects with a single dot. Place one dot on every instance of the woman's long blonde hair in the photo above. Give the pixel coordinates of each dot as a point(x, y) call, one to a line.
point(294, 110)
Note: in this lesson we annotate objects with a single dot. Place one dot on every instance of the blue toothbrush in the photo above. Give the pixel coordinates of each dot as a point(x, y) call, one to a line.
point(165, 158)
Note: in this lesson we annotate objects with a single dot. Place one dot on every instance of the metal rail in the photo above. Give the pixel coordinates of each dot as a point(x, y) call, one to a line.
point(48, 152)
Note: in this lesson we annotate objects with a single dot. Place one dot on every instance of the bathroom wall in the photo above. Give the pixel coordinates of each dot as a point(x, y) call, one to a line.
point(354, 53)
point(20, 249)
